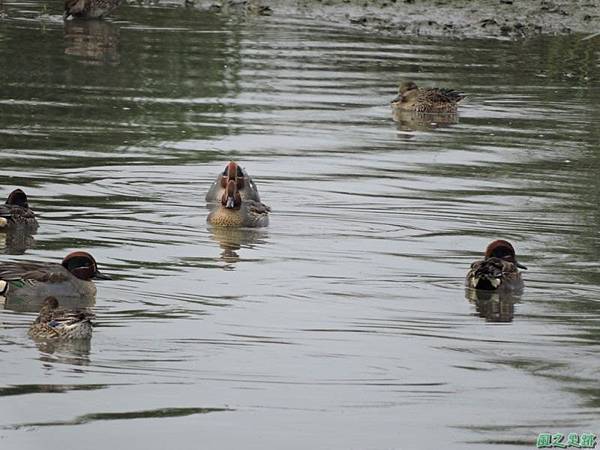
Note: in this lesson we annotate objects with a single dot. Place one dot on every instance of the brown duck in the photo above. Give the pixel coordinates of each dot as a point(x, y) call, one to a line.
point(426, 100)
point(16, 212)
point(233, 211)
point(54, 323)
point(498, 270)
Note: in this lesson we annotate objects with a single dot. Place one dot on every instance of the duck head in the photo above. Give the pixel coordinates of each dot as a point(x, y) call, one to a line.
point(503, 250)
point(83, 266)
point(231, 198)
point(233, 172)
point(406, 89)
point(17, 198)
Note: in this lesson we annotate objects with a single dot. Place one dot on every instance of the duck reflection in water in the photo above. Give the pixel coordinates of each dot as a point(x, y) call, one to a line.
point(16, 241)
point(416, 121)
point(73, 352)
point(493, 306)
point(94, 41)
point(232, 239)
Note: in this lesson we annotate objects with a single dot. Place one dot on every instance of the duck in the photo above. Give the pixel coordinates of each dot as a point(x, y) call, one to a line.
point(426, 100)
point(25, 282)
point(245, 186)
point(499, 270)
point(233, 211)
point(16, 212)
point(54, 323)
point(89, 9)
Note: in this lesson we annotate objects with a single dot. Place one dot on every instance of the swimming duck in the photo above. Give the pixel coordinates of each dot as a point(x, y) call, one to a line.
point(426, 100)
point(30, 282)
point(498, 270)
point(54, 323)
point(245, 186)
point(233, 211)
point(16, 212)
point(89, 9)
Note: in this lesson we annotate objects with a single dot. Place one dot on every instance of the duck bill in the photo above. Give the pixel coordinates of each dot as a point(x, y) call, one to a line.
point(397, 99)
point(520, 266)
point(100, 276)
point(230, 204)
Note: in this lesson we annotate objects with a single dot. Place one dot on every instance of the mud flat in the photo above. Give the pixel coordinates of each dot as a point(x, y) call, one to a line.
point(460, 18)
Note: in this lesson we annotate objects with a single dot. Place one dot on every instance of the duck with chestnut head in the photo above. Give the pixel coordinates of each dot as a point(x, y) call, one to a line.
point(15, 213)
point(54, 323)
point(234, 211)
point(426, 100)
point(29, 283)
point(244, 184)
point(499, 270)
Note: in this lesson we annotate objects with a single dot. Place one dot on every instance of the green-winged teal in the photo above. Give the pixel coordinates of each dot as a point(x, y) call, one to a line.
point(498, 270)
point(233, 211)
point(16, 212)
point(245, 186)
point(426, 100)
point(54, 323)
point(31, 282)
point(89, 9)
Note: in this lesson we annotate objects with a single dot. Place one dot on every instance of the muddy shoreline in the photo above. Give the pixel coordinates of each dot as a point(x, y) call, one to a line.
point(457, 18)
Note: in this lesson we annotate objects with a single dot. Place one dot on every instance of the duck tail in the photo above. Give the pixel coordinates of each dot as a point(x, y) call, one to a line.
point(453, 95)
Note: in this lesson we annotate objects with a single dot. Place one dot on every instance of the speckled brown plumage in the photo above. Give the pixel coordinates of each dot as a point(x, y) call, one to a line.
point(16, 211)
point(89, 9)
point(426, 100)
point(54, 323)
point(249, 214)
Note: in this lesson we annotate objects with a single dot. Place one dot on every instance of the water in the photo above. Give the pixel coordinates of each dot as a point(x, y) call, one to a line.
point(344, 324)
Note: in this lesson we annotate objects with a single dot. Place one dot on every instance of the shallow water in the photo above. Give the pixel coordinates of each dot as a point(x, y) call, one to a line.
point(344, 324)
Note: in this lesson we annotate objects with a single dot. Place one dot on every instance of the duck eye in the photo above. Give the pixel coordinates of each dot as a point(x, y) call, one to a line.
point(239, 172)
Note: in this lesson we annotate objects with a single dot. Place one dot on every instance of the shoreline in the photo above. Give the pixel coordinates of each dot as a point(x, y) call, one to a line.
point(453, 18)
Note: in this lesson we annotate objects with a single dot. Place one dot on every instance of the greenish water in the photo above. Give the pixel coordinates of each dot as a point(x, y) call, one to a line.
point(344, 324)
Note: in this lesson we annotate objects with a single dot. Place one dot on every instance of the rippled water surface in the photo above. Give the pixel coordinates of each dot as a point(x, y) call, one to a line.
point(344, 324)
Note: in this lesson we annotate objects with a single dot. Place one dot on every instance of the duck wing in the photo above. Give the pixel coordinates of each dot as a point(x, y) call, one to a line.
point(63, 317)
point(17, 214)
point(257, 207)
point(32, 272)
point(443, 95)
